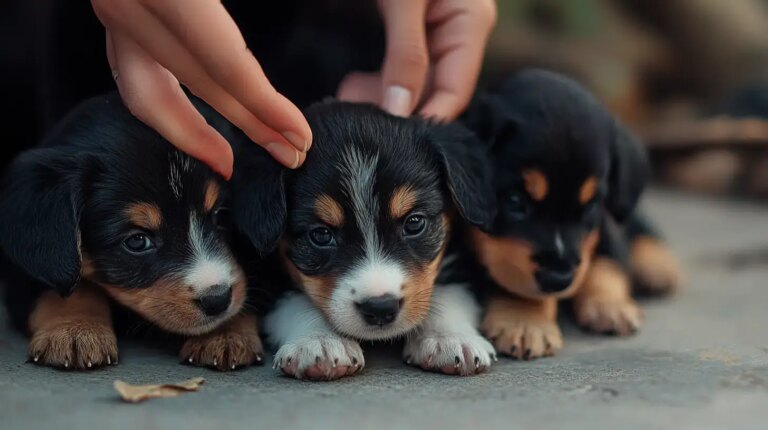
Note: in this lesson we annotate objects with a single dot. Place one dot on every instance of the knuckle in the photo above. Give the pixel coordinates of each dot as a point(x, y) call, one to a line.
point(411, 55)
point(108, 9)
point(486, 13)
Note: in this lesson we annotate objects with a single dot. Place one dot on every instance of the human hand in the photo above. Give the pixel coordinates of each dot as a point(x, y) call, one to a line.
point(153, 45)
point(434, 53)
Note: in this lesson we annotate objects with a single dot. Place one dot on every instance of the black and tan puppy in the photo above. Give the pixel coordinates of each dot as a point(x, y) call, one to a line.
point(107, 211)
point(369, 220)
point(565, 172)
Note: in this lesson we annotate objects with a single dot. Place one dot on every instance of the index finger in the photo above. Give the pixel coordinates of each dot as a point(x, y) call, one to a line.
point(223, 54)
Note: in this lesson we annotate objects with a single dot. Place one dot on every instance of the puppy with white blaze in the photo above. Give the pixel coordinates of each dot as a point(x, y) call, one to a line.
point(369, 218)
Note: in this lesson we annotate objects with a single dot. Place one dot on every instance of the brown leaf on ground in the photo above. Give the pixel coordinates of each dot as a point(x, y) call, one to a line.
point(139, 393)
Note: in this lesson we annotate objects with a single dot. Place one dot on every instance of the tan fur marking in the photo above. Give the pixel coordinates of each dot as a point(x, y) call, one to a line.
point(588, 190)
point(145, 215)
point(521, 328)
point(419, 284)
point(211, 195)
point(402, 202)
point(232, 345)
point(417, 291)
point(603, 303)
point(508, 262)
point(329, 211)
point(317, 288)
point(655, 270)
point(171, 305)
point(87, 268)
point(536, 184)
point(73, 332)
point(588, 245)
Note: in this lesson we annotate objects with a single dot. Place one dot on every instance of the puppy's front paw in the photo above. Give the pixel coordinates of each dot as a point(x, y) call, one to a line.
point(320, 357)
point(76, 345)
point(524, 337)
point(619, 316)
point(223, 350)
point(450, 354)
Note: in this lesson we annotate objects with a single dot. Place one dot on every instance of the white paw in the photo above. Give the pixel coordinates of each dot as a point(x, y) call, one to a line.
point(320, 357)
point(463, 354)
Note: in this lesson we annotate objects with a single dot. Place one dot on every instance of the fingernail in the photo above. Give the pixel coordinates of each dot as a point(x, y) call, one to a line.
point(223, 168)
point(296, 141)
point(284, 154)
point(397, 101)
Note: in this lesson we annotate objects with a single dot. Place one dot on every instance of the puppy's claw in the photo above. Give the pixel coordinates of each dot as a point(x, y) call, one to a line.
point(527, 354)
point(66, 364)
point(335, 362)
point(36, 359)
point(215, 362)
point(258, 358)
point(89, 364)
point(190, 360)
point(109, 359)
point(477, 362)
point(233, 366)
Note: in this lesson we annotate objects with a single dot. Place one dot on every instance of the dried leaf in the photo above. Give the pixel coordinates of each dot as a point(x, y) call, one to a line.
point(139, 393)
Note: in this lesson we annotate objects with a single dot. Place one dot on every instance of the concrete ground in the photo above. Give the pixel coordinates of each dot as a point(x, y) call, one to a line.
point(700, 361)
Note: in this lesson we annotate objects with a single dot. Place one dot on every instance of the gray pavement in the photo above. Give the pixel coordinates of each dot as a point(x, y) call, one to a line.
point(700, 362)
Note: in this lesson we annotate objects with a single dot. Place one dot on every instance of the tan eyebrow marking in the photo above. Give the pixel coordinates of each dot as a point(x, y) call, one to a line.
point(211, 195)
point(588, 190)
point(536, 184)
point(402, 202)
point(329, 211)
point(145, 215)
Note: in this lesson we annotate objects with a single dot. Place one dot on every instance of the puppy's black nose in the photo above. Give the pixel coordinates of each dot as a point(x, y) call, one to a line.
point(554, 280)
point(379, 310)
point(216, 301)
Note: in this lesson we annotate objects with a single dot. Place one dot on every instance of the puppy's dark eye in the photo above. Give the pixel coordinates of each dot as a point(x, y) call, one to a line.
point(221, 218)
point(322, 237)
point(138, 243)
point(517, 207)
point(414, 225)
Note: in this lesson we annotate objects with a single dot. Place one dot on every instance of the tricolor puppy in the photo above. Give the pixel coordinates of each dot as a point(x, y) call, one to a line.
point(565, 171)
point(106, 212)
point(369, 220)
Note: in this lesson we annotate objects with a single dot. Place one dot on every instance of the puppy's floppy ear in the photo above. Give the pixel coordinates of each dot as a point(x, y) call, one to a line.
point(40, 205)
point(258, 196)
point(629, 172)
point(490, 119)
point(467, 171)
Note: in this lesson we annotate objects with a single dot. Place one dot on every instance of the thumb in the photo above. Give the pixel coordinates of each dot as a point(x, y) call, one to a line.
point(406, 60)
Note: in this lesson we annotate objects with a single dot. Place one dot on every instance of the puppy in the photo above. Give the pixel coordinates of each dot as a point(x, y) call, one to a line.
point(565, 172)
point(106, 211)
point(369, 220)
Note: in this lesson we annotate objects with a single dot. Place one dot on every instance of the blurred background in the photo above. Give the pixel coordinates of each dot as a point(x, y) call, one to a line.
point(689, 76)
